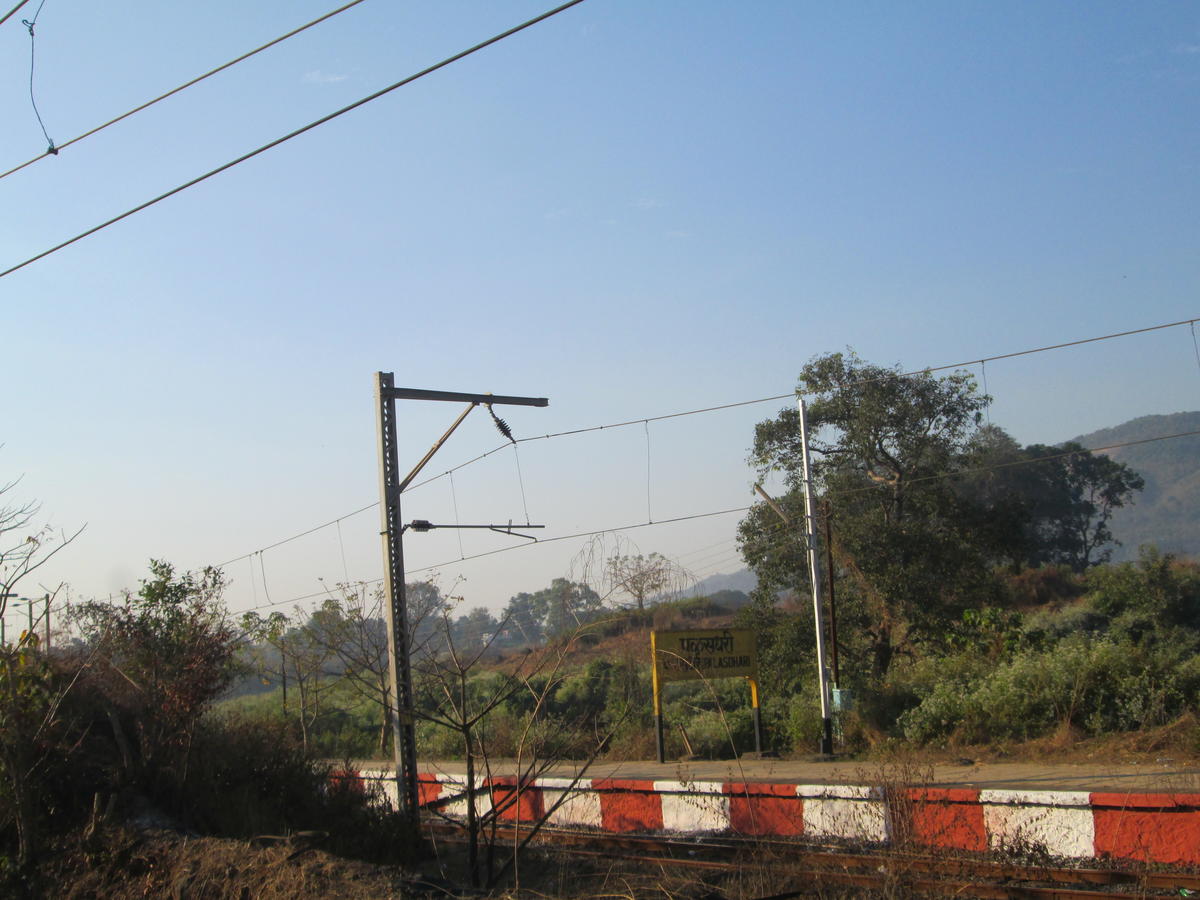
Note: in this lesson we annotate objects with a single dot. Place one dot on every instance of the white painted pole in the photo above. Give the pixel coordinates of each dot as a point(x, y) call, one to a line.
point(814, 571)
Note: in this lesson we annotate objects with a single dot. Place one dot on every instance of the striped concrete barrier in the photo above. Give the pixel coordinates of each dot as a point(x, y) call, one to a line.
point(1161, 828)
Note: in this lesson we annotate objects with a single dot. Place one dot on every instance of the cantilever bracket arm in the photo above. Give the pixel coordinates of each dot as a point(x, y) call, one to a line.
point(396, 393)
point(426, 525)
point(437, 445)
point(508, 529)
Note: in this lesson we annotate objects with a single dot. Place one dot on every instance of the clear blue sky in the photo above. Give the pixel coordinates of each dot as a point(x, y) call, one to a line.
point(633, 208)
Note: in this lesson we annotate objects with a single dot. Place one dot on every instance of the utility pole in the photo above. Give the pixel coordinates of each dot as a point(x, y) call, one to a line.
point(814, 569)
point(827, 734)
point(827, 521)
point(391, 486)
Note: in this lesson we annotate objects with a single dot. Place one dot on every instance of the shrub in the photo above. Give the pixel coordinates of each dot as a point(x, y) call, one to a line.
point(1096, 684)
point(720, 735)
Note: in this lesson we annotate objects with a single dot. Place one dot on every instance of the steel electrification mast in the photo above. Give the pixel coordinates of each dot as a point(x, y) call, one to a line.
point(814, 570)
point(390, 488)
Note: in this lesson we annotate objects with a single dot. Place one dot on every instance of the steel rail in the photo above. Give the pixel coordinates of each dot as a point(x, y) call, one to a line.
point(836, 862)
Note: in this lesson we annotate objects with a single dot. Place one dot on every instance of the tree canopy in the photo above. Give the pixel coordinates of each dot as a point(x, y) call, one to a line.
point(926, 500)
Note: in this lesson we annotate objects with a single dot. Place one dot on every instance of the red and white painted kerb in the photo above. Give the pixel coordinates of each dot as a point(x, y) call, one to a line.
point(1162, 828)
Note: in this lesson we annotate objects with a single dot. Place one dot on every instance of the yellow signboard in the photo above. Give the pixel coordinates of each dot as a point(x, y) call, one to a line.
point(690, 655)
point(694, 655)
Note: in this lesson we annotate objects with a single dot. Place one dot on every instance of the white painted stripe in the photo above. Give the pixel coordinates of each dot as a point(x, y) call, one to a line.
point(693, 806)
point(1059, 823)
point(457, 784)
point(853, 812)
point(582, 806)
point(384, 781)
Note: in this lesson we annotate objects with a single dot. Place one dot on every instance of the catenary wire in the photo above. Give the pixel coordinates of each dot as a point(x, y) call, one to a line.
point(296, 537)
point(987, 397)
point(342, 548)
point(741, 509)
point(717, 408)
point(458, 520)
point(521, 482)
point(12, 12)
point(1195, 345)
point(793, 394)
point(29, 24)
point(549, 540)
point(976, 470)
point(176, 90)
point(292, 134)
point(649, 510)
point(262, 567)
point(705, 549)
point(721, 512)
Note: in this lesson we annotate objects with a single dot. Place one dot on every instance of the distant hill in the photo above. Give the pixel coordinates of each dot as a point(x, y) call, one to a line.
point(743, 580)
point(1167, 512)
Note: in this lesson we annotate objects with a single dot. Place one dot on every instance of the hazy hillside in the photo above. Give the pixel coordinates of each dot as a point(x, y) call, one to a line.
point(742, 580)
point(1167, 512)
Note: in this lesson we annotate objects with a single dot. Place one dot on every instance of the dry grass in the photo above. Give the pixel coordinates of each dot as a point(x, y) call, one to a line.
point(125, 864)
point(1178, 741)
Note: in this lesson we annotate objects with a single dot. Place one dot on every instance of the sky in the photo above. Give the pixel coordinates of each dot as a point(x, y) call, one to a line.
point(633, 209)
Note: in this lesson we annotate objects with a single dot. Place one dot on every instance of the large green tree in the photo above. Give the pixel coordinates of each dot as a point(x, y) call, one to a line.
point(911, 549)
point(1073, 511)
point(1054, 503)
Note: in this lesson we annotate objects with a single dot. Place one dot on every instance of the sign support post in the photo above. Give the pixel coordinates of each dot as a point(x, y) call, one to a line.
point(699, 656)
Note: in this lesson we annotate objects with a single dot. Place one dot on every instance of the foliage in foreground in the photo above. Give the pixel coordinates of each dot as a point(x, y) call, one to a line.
point(1122, 658)
point(1111, 651)
point(119, 727)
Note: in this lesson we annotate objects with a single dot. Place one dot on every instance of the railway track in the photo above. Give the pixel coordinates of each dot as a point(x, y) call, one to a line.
point(905, 873)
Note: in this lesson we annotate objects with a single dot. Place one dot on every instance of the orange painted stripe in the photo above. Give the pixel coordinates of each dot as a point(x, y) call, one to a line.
point(1162, 828)
point(951, 818)
point(764, 809)
point(629, 805)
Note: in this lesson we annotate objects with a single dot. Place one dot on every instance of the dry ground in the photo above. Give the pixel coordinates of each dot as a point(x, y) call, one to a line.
point(124, 864)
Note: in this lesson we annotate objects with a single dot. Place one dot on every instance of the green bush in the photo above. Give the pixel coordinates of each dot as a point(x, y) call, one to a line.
point(1098, 685)
point(720, 735)
point(803, 725)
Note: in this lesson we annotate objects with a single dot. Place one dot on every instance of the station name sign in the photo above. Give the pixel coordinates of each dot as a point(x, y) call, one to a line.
point(694, 655)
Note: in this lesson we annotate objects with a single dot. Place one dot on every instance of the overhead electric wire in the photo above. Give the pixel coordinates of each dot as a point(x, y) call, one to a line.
point(1020, 462)
point(778, 526)
point(12, 12)
point(292, 134)
point(296, 537)
point(30, 24)
point(781, 527)
point(1195, 344)
point(137, 109)
point(517, 546)
point(797, 393)
point(724, 406)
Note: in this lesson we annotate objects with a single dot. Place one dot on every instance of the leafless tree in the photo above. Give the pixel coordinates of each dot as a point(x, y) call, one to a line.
point(350, 624)
point(24, 547)
point(615, 567)
point(455, 699)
